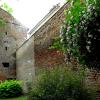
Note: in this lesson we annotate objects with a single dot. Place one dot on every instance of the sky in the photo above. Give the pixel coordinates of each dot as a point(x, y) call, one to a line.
point(30, 12)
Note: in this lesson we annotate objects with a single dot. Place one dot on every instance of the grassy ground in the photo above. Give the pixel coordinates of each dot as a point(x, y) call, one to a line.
point(18, 98)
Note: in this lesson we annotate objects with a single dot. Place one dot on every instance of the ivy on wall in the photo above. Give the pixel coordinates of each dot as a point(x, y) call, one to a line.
point(80, 34)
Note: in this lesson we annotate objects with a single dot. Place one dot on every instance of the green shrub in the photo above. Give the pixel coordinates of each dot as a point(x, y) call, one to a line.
point(10, 88)
point(60, 84)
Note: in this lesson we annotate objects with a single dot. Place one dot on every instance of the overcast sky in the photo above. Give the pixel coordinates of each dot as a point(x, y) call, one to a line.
point(30, 12)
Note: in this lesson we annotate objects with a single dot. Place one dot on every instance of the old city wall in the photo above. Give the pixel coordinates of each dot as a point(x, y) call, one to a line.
point(13, 27)
point(27, 55)
point(35, 51)
point(44, 57)
point(12, 35)
point(50, 29)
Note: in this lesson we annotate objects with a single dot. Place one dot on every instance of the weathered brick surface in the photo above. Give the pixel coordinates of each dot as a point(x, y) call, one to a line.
point(13, 27)
point(43, 39)
point(2, 76)
point(93, 81)
point(12, 35)
point(49, 58)
point(44, 35)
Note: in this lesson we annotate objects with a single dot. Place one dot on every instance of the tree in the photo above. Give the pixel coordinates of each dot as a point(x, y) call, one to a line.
point(82, 31)
point(69, 30)
point(8, 9)
point(89, 37)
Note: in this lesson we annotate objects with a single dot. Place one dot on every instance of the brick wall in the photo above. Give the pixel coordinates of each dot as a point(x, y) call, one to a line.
point(93, 81)
point(12, 35)
point(50, 29)
point(43, 39)
point(13, 27)
point(49, 58)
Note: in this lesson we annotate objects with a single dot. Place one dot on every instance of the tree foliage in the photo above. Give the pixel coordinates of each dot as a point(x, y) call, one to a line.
point(83, 31)
point(89, 36)
point(8, 9)
point(81, 35)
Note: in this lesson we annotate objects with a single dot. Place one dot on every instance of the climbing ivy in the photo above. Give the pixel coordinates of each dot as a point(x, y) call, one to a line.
point(81, 35)
point(69, 32)
point(83, 31)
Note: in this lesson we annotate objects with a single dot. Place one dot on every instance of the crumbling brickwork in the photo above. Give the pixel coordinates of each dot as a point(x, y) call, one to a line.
point(12, 35)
